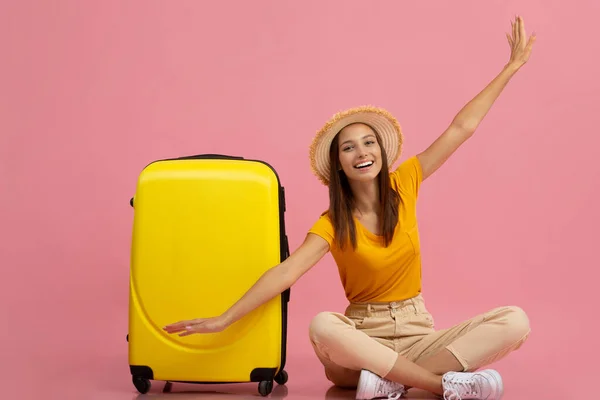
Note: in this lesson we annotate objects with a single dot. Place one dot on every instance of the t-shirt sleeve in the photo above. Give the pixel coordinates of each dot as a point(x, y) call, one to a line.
point(323, 228)
point(408, 176)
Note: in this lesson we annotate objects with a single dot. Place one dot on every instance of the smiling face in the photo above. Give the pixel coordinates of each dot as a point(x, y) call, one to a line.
point(359, 152)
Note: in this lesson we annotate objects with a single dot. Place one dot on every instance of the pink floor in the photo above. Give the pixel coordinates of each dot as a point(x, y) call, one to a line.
point(90, 362)
point(108, 378)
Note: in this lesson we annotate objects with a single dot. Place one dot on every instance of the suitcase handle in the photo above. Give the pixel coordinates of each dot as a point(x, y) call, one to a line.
point(201, 157)
point(210, 157)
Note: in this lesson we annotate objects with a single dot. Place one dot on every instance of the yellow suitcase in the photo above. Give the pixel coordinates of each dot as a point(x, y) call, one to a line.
point(205, 229)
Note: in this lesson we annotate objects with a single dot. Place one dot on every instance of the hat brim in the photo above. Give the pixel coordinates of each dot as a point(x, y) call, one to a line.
point(379, 119)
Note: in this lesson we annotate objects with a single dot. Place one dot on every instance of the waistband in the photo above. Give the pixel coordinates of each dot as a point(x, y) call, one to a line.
point(409, 306)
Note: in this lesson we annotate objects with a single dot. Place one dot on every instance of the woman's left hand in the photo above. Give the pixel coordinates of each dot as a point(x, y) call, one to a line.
point(519, 44)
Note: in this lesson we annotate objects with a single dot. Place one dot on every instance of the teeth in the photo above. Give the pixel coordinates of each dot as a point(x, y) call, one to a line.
point(365, 164)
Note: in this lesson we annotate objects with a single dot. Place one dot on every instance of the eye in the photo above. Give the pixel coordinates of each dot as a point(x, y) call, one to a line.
point(370, 142)
point(346, 148)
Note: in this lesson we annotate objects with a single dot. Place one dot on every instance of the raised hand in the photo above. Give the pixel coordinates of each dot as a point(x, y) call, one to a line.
point(199, 325)
point(520, 45)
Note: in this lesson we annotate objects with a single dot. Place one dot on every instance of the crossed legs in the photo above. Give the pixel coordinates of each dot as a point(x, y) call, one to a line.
point(468, 346)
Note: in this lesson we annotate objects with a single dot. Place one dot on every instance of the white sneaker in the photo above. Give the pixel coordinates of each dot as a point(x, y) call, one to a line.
point(480, 385)
point(372, 386)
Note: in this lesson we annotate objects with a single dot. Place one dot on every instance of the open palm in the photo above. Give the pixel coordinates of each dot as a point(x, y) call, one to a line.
point(520, 45)
point(195, 326)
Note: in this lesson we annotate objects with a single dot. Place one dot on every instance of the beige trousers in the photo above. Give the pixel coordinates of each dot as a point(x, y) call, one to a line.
point(372, 336)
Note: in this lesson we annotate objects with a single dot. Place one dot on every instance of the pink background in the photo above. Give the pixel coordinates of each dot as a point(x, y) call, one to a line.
point(93, 91)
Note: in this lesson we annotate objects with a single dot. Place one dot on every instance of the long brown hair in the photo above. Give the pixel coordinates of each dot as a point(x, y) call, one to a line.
point(341, 200)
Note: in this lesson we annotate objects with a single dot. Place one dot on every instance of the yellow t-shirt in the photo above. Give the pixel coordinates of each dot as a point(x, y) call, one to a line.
point(372, 272)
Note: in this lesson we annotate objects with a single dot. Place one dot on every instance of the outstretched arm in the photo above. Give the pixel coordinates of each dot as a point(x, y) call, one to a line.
point(273, 282)
point(465, 123)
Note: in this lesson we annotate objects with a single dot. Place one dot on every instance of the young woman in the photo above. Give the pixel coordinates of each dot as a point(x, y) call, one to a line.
point(385, 341)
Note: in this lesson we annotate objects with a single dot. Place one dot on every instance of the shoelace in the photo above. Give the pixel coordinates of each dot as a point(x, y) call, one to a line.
point(461, 387)
point(394, 390)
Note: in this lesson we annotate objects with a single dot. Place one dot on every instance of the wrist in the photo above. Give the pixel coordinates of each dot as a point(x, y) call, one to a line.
point(225, 319)
point(512, 67)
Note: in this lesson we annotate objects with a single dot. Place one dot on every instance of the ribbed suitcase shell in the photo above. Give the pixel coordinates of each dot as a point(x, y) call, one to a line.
point(205, 229)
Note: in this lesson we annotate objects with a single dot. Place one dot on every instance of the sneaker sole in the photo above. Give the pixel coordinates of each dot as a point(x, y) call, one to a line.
point(364, 381)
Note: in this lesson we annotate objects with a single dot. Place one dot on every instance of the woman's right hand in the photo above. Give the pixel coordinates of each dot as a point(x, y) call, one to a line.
point(199, 325)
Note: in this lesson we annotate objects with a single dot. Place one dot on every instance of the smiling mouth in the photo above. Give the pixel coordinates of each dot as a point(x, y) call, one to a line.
point(362, 165)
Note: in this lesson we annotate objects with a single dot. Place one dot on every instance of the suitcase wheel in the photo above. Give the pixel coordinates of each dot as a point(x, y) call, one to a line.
point(265, 388)
point(141, 384)
point(281, 378)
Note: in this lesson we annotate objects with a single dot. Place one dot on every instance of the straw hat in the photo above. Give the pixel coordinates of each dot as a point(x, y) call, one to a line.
point(379, 119)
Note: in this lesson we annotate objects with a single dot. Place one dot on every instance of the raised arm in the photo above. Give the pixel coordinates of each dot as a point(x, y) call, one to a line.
point(465, 123)
point(273, 282)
